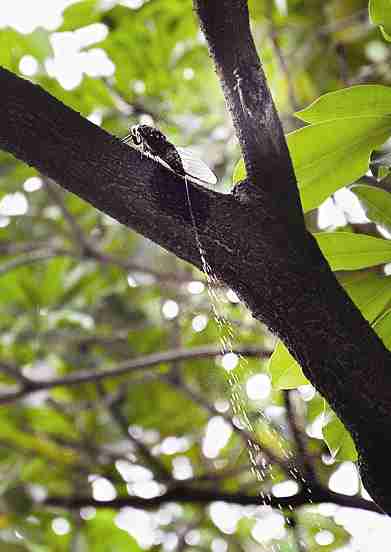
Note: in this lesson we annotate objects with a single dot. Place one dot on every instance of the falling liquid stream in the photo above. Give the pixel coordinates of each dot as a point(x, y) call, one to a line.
point(226, 335)
point(259, 466)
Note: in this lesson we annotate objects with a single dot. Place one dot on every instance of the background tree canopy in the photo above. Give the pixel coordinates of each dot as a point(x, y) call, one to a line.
point(143, 406)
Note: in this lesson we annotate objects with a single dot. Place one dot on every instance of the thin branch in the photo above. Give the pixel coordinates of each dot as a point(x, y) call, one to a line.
point(284, 65)
point(14, 372)
point(46, 252)
point(56, 194)
point(15, 248)
point(302, 458)
point(114, 408)
point(131, 266)
point(31, 258)
point(126, 368)
point(360, 18)
point(185, 495)
point(257, 125)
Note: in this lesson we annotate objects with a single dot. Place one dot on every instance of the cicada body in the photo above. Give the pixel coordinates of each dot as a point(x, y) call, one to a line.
point(180, 160)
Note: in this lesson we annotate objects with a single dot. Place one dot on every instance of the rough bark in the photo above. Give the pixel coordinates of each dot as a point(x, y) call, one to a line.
point(255, 239)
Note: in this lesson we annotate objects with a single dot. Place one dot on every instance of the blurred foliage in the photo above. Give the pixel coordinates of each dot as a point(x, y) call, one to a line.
point(67, 308)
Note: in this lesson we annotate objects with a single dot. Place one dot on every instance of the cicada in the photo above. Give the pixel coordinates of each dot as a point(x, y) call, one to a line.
point(181, 161)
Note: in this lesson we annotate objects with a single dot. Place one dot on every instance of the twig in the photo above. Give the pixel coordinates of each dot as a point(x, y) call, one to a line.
point(125, 368)
point(275, 40)
point(56, 194)
point(184, 495)
point(14, 372)
point(303, 457)
point(30, 258)
point(114, 408)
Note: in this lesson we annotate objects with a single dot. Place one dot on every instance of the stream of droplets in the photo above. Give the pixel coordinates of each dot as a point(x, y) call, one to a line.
point(259, 464)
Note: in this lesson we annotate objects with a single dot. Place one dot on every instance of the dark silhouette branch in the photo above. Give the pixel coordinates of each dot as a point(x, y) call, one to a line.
point(303, 457)
point(114, 408)
point(47, 252)
point(183, 495)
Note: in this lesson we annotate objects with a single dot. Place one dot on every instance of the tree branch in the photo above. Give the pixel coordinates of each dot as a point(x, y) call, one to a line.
point(114, 409)
point(86, 160)
point(227, 30)
point(183, 494)
point(125, 368)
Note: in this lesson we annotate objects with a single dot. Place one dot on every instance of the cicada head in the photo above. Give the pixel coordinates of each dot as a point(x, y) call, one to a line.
point(135, 134)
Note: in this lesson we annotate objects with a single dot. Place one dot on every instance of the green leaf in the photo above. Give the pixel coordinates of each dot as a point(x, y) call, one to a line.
point(380, 14)
point(375, 202)
point(13, 46)
point(364, 100)
point(315, 407)
point(312, 523)
point(371, 293)
point(38, 44)
point(239, 171)
point(12, 547)
point(332, 154)
point(339, 441)
point(346, 251)
point(36, 444)
point(79, 15)
point(103, 535)
point(284, 371)
point(52, 278)
point(17, 500)
point(383, 328)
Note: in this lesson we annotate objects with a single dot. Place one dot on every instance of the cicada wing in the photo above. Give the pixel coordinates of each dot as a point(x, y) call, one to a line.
point(128, 139)
point(196, 168)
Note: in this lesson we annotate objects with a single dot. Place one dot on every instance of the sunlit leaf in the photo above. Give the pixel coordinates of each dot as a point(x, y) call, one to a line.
point(29, 442)
point(332, 154)
point(313, 523)
point(103, 535)
point(371, 293)
point(329, 155)
point(347, 251)
point(339, 441)
point(364, 100)
point(13, 46)
point(376, 203)
point(383, 328)
point(284, 370)
point(80, 14)
point(380, 13)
